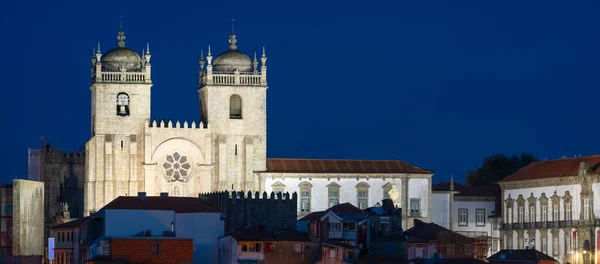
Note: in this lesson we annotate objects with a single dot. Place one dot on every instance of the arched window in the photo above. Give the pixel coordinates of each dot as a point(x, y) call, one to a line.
point(362, 195)
point(235, 107)
point(305, 192)
point(333, 190)
point(123, 104)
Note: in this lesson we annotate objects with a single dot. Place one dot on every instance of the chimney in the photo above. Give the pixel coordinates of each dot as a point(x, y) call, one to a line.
point(164, 194)
point(142, 195)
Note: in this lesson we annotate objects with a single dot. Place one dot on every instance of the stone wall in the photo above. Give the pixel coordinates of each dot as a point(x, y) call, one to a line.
point(28, 219)
point(244, 209)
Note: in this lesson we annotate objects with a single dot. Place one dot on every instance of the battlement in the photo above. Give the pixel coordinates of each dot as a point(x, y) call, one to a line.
point(274, 211)
point(51, 155)
point(169, 124)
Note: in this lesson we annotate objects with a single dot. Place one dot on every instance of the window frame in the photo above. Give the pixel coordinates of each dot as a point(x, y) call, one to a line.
point(155, 249)
point(477, 211)
point(233, 115)
point(466, 217)
point(413, 212)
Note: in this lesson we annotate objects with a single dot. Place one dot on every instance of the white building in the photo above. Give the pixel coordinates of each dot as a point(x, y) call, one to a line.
point(224, 150)
point(468, 211)
point(181, 217)
point(550, 205)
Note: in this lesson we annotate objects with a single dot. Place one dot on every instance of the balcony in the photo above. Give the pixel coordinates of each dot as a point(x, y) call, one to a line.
point(551, 224)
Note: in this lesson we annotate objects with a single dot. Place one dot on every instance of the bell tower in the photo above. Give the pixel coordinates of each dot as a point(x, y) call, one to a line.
point(120, 88)
point(233, 100)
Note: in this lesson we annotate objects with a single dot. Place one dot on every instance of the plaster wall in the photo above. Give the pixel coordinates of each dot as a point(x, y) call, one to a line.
point(440, 205)
point(28, 218)
point(205, 229)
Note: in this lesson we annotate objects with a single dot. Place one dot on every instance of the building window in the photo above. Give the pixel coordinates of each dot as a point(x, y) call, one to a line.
point(235, 107)
point(586, 208)
point(333, 194)
point(545, 245)
point(305, 191)
point(555, 245)
point(544, 213)
point(568, 212)
point(463, 217)
point(415, 207)
point(278, 187)
point(384, 224)
point(521, 214)
point(362, 195)
point(251, 247)
point(509, 215)
point(555, 215)
point(155, 249)
point(349, 226)
point(350, 255)
point(123, 104)
point(335, 226)
point(297, 248)
point(532, 214)
point(568, 244)
point(386, 190)
point(480, 217)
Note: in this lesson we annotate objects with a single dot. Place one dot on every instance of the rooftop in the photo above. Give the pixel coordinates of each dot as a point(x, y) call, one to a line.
point(522, 255)
point(422, 231)
point(338, 209)
point(257, 233)
point(283, 165)
point(554, 168)
point(158, 203)
point(464, 190)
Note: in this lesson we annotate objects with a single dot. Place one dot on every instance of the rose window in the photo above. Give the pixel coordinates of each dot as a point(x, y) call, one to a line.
point(177, 167)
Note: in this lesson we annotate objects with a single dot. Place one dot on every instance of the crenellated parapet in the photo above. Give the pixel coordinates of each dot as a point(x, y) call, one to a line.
point(162, 124)
point(50, 155)
point(241, 209)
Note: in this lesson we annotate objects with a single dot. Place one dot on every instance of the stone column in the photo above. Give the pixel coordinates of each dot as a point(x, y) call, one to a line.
point(405, 206)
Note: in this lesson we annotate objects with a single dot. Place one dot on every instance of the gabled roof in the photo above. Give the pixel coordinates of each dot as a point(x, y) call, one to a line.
point(554, 168)
point(463, 190)
point(73, 223)
point(341, 166)
point(338, 209)
point(158, 203)
point(428, 231)
point(521, 255)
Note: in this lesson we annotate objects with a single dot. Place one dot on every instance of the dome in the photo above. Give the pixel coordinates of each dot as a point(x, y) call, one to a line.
point(121, 58)
point(232, 59)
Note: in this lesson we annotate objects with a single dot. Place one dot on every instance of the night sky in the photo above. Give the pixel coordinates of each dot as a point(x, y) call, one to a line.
point(438, 84)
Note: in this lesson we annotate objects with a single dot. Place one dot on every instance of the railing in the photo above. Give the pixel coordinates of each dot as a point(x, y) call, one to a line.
point(232, 78)
point(473, 233)
point(126, 77)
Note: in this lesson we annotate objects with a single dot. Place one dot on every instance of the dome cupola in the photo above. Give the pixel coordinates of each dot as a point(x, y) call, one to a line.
point(232, 60)
point(121, 58)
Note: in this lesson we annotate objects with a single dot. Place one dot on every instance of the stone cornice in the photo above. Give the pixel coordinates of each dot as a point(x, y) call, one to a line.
point(474, 198)
point(348, 175)
point(565, 180)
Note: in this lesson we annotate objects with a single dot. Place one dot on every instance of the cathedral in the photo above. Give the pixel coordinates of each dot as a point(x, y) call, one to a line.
point(225, 149)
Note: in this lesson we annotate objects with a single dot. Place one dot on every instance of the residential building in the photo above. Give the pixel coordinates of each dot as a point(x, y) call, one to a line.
point(342, 223)
point(427, 239)
point(276, 211)
point(387, 237)
point(550, 205)
point(67, 240)
point(6, 219)
point(142, 250)
point(255, 244)
point(338, 253)
point(467, 211)
point(158, 216)
point(521, 256)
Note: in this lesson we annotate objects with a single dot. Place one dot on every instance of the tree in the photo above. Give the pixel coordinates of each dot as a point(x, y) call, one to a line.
point(497, 167)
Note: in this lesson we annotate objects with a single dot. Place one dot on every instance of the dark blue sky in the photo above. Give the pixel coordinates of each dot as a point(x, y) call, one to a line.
point(438, 84)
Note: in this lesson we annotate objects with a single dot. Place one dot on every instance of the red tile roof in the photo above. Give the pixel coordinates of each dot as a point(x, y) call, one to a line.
point(554, 168)
point(177, 204)
point(341, 166)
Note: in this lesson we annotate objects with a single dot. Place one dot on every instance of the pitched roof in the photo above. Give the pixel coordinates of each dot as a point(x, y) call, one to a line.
point(338, 209)
point(463, 190)
point(73, 223)
point(522, 255)
point(177, 204)
point(341, 166)
point(554, 168)
point(429, 231)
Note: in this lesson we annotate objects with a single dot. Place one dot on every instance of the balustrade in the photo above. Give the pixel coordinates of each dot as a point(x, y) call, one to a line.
point(123, 77)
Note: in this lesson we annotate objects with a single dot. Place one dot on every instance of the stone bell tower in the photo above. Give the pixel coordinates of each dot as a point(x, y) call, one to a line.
point(120, 89)
point(233, 100)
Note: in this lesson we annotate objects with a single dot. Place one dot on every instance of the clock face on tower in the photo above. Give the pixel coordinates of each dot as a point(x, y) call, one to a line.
point(177, 167)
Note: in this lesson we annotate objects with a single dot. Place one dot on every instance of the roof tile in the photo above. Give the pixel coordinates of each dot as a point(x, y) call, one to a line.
point(177, 204)
point(341, 166)
point(554, 168)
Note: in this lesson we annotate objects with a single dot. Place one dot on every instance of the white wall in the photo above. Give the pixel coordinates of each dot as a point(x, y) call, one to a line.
point(205, 229)
point(228, 250)
point(130, 222)
point(418, 188)
point(472, 207)
point(574, 191)
point(440, 208)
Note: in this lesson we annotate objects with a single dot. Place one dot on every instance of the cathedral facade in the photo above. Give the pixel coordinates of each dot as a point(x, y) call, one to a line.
point(224, 150)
